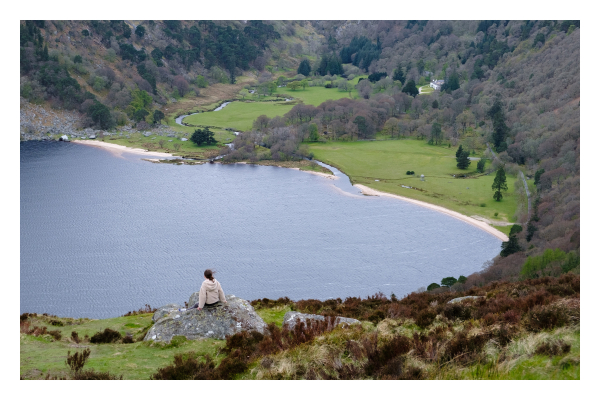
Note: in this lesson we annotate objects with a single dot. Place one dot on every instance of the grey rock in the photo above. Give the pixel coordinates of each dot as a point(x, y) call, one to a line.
point(235, 316)
point(291, 318)
point(92, 136)
point(459, 299)
point(165, 310)
point(64, 138)
point(183, 139)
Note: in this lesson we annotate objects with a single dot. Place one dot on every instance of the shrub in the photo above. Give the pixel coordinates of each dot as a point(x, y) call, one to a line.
point(515, 229)
point(458, 311)
point(553, 348)
point(463, 347)
point(544, 317)
point(482, 205)
point(77, 361)
point(107, 336)
point(128, 339)
point(91, 375)
point(75, 337)
point(425, 318)
point(55, 334)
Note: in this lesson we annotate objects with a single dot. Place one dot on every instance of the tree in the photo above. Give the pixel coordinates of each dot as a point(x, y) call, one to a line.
point(435, 104)
point(451, 84)
point(140, 31)
point(77, 59)
point(304, 67)
point(538, 174)
point(304, 83)
point(459, 152)
point(462, 279)
point(500, 132)
point(410, 88)
point(201, 81)
point(449, 281)
point(481, 165)
point(510, 247)
point(499, 184)
point(313, 135)
point(420, 66)
point(432, 286)
point(436, 133)
point(391, 126)
point(399, 75)
point(158, 116)
point(181, 84)
point(463, 160)
point(203, 136)
point(294, 85)
point(140, 115)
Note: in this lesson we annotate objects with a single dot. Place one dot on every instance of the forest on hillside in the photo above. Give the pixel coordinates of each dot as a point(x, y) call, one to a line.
point(514, 85)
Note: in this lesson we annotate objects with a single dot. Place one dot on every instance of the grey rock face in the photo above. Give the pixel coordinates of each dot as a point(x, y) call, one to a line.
point(459, 299)
point(235, 316)
point(291, 318)
point(165, 310)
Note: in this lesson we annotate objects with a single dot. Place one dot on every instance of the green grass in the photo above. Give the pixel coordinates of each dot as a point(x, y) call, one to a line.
point(41, 355)
point(137, 140)
point(240, 114)
point(426, 89)
point(388, 161)
point(274, 314)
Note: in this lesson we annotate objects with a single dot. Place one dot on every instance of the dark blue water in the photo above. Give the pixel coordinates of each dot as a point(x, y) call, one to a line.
point(103, 234)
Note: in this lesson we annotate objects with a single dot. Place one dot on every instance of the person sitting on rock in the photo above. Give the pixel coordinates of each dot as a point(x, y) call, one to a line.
point(210, 292)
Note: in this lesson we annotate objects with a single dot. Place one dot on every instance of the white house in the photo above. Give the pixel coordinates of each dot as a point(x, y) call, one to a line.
point(436, 85)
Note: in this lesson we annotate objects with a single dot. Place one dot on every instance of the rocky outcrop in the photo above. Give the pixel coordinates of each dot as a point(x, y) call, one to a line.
point(291, 318)
point(164, 311)
point(459, 299)
point(235, 316)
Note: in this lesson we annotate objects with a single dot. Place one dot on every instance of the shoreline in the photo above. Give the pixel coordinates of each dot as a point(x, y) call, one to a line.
point(478, 224)
point(117, 148)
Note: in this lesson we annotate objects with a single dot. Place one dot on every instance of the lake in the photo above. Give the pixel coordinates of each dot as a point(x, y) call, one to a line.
point(103, 234)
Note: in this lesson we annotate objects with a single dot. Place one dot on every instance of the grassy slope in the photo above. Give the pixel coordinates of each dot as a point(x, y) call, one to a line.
point(389, 160)
point(41, 355)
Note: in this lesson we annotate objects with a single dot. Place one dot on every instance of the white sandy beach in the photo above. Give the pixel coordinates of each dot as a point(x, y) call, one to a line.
point(479, 224)
point(117, 149)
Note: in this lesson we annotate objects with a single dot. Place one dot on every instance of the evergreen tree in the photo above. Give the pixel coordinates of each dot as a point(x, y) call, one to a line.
point(158, 116)
point(462, 279)
point(496, 113)
point(304, 67)
point(399, 75)
point(481, 165)
point(499, 184)
point(435, 104)
point(459, 152)
point(463, 160)
point(433, 286)
point(510, 247)
point(449, 281)
point(410, 88)
point(203, 136)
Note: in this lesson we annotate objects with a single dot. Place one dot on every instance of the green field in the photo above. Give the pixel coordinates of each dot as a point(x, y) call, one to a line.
point(241, 114)
point(426, 89)
point(388, 161)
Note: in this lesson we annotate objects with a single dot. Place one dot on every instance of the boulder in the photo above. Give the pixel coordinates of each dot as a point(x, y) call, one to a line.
point(459, 299)
point(165, 310)
point(183, 139)
point(64, 138)
point(291, 318)
point(235, 316)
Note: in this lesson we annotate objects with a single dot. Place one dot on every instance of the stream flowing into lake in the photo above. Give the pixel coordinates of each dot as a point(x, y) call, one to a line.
point(102, 234)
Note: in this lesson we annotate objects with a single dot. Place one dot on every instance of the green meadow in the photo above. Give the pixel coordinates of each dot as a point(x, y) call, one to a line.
point(382, 165)
point(241, 114)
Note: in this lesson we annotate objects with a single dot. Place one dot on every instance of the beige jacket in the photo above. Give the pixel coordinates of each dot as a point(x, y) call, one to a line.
point(210, 292)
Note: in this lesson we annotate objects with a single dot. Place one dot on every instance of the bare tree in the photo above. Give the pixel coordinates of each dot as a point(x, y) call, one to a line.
point(182, 85)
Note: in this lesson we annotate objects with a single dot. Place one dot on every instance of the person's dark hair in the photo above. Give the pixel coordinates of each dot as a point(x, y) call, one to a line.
point(209, 274)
